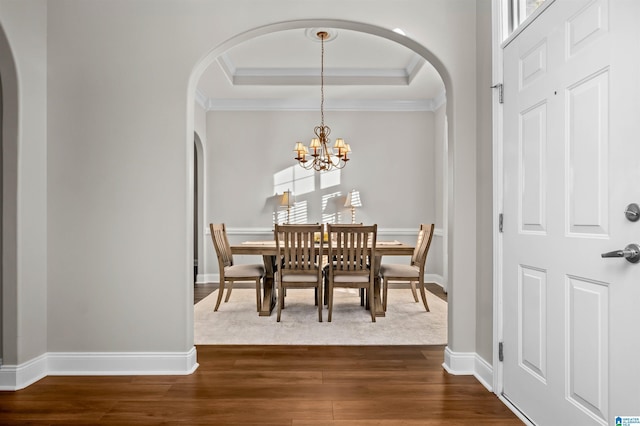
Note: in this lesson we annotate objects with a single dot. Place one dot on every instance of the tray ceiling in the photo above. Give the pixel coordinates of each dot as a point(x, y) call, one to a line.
point(282, 70)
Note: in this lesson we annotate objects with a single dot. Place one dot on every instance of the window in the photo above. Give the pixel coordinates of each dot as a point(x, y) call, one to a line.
point(519, 10)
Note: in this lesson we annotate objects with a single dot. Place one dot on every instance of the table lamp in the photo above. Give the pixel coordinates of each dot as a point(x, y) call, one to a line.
point(353, 201)
point(287, 200)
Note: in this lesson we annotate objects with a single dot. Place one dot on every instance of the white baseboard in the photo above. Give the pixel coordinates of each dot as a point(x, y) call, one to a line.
point(16, 377)
point(484, 373)
point(207, 278)
point(13, 378)
point(459, 363)
point(468, 364)
point(434, 278)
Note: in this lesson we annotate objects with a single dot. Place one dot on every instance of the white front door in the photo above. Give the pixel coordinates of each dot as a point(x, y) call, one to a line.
point(571, 167)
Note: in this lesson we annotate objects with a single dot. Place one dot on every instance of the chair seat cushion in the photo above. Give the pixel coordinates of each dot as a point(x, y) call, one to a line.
point(300, 278)
point(350, 278)
point(399, 271)
point(239, 271)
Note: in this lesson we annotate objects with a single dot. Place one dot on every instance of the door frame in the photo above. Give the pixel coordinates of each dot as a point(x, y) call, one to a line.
point(449, 166)
point(499, 30)
point(501, 37)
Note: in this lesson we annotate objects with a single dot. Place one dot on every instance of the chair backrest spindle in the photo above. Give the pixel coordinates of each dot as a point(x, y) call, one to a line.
point(221, 244)
point(352, 251)
point(351, 248)
point(425, 235)
point(299, 260)
point(297, 248)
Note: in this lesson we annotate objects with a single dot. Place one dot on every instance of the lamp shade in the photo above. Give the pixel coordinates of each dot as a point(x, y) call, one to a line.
point(286, 199)
point(353, 199)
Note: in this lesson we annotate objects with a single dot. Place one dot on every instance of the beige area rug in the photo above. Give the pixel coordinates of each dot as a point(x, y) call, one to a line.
point(237, 322)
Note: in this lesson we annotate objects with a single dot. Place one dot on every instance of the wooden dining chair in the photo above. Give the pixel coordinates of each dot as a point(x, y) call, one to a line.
point(413, 273)
point(352, 254)
point(299, 260)
point(326, 268)
point(229, 271)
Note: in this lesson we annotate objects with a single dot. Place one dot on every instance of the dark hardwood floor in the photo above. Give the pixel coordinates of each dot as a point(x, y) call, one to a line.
point(271, 385)
point(200, 291)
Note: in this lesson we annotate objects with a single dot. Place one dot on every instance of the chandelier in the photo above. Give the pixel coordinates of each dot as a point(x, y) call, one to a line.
point(322, 156)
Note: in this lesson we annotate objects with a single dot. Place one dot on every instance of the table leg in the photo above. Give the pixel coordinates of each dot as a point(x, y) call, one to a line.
point(377, 299)
point(268, 285)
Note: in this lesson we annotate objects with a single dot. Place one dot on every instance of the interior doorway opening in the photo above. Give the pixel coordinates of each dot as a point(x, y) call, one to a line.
point(447, 152)
point(1, 227)
point(198, 204)
point(9, 224)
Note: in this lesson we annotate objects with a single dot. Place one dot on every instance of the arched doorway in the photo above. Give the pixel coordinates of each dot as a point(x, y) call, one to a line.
point(373, 30)
point(198, 205)
point(8, 180)
point(1, 230)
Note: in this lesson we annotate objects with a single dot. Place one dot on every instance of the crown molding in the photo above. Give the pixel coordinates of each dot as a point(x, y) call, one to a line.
point(391, 105)
point(310, 76)
point(439, 100)
point(414, 67)
point(201, 99)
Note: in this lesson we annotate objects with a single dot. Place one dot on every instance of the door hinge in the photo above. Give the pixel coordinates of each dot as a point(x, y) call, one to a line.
point(500, 88)
point(500, 222)
point(500, 352)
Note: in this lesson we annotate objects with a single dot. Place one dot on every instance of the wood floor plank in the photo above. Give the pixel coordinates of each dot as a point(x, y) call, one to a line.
point(221, 411)
point(70, 411)
point(255, 377)
point(94, 391)
point(405, 422)
point(271, 385)
point(416, 409)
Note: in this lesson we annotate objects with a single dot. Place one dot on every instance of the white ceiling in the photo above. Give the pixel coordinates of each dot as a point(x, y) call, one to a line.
point(282, 70)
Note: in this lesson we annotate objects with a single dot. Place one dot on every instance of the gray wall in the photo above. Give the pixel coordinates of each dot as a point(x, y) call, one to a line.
point(393, 165)
point(485, 219)
point(104, 217)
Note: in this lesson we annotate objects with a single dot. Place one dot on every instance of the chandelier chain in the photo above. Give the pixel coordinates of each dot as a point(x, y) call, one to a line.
point(322, 82)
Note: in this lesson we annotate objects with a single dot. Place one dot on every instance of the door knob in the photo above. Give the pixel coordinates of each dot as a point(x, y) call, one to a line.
point(632, 213)
point(631, 252)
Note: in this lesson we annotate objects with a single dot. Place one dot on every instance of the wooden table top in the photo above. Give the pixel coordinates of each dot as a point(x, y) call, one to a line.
point(268, 248)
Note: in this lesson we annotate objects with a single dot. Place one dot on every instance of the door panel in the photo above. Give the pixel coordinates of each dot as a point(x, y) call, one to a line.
point(587, 320)
point(533, 315)
point(533, 141)
point(585, 26)
point(571, 166)
point(587, 168)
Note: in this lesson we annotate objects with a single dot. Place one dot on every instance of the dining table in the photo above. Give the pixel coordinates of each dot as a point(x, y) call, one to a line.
point(267, 249)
